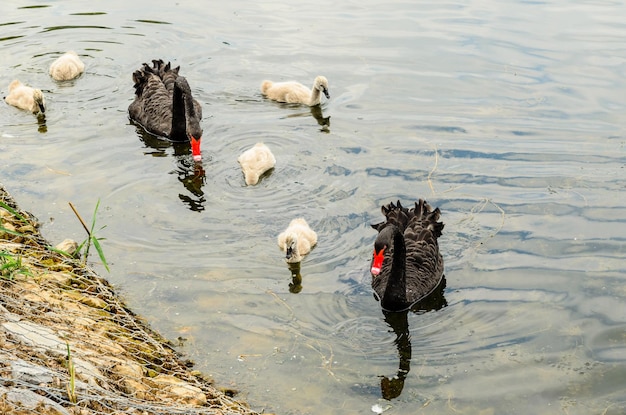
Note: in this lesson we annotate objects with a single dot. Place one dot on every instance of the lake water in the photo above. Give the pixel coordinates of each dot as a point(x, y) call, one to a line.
point(508, 115)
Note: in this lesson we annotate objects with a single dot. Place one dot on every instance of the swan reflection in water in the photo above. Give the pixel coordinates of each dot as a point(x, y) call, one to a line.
point(391, 387)
point(41, 123)
point(315, 111)
point(193, 177)
point(295, 286)
point(190, 173)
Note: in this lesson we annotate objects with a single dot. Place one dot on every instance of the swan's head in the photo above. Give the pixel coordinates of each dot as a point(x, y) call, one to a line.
point(195, 136)
point(40, 102)
point(291, 248)
point(377, 261)
point(252, 178)
point(195, 147)
point(321, 83)
point(383, 241)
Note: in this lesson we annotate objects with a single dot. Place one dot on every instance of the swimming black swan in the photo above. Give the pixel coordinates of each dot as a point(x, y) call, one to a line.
point(406, 265)
point(164, 105)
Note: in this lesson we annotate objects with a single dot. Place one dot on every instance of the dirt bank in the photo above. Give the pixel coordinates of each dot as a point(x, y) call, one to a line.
point(69, 345)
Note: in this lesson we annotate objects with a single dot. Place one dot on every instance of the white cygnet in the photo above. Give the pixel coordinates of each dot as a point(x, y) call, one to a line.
point(297, 240)
point(293, 92)
point(67, 66)
point(25, 97)
point(255, 161)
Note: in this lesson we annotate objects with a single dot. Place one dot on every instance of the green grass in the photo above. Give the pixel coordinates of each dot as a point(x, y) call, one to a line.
point(11, 266)
point(91, 237)
point(14, 213)
point(71, 386)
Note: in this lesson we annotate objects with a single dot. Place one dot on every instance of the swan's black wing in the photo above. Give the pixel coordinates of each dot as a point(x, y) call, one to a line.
point(166, 73)
point(424, 263)
point(394, 214)
point(152, 107)
point(168, 76)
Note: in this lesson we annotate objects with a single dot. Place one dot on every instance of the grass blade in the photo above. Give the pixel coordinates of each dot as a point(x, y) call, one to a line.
point(13, 212)
point(96, 245)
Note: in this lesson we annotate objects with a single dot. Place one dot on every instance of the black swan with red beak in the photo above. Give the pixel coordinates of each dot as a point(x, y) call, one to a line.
point(164, 105)
point(406, 265)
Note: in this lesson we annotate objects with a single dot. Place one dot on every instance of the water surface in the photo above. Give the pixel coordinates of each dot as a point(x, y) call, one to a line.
point(509, 116)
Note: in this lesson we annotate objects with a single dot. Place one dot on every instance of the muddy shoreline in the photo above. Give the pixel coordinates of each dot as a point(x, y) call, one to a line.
point(69, 344)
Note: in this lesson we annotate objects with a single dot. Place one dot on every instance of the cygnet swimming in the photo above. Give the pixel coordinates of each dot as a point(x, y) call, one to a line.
point(256, 161)
point(297, 240)
point(67, 66)
point(293, 92)
point(25, 97)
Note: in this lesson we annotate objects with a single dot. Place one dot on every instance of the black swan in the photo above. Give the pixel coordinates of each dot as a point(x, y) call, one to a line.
point(164, 105)
point(406, 265)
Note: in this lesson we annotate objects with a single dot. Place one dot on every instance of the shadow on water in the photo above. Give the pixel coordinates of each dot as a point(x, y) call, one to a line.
point(391, 387)
point(190, 173)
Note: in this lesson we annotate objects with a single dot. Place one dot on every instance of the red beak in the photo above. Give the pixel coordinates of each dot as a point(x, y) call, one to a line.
point(195, 148)
point(377, 264)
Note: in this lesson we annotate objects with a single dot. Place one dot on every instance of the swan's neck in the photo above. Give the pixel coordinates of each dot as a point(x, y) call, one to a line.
point(395, 292)
point(315, 96)
point(179, 121)
point(190, 110)
point(184, 117)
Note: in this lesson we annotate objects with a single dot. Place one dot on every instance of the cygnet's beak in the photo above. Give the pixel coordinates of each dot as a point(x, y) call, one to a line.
point(41, 107)
point(326, 93)
point(288, 252)
point(195, 148)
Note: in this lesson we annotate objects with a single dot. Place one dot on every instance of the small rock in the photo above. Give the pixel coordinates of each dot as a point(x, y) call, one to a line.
point(68, 246)
point(32, 334)
point(28, 399)
point(178, 390)
point(85, 370)
point(130, 379)
point(89, 300)
point(27, 372)
point(61, 278)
